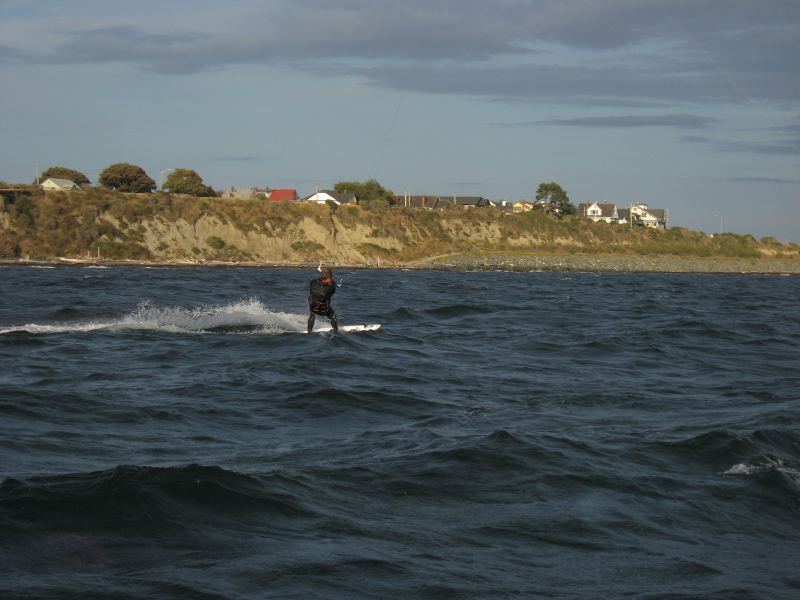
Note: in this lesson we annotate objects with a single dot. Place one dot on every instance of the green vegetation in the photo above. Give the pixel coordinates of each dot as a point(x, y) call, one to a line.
point(313, 248)
point(186, 181)
point(65, 173)
point(556, 199)
point(125, 177)
point(163, 226)
point(370, 193)
point(215, 242)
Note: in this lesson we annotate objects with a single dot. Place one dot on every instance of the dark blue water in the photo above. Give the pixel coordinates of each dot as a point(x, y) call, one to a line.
point(169, 433)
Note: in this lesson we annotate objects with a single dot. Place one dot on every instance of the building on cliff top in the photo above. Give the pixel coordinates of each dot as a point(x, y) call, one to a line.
point(284, 195)
point(641, 214)
point(599, 211)
point(323, 196)
point(434, 201)
point(54, 184)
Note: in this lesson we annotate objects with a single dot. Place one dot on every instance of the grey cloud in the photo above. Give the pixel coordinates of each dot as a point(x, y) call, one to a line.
point(677, 120)
point(686, 50)
point(777, 147)
point(8, 54)
point(787, 128)
point(166, 53)
point(470, 183)
point(579, 84)
point(780, 147)
point(697, 139)
point(236, 158)
point(757, 180)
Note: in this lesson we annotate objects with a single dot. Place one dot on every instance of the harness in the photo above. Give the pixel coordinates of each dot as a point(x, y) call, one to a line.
point(320, 307)
point(319, 299)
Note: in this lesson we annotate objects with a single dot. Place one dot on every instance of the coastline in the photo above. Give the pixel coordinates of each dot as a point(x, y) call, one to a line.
point(488, 262)
point(614, 264)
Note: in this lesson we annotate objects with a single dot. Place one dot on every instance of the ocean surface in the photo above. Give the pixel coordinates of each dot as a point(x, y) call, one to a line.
point(172, 433)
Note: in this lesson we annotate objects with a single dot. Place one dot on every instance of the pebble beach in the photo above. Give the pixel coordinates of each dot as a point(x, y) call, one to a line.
point(494, 262)
point(613, 264)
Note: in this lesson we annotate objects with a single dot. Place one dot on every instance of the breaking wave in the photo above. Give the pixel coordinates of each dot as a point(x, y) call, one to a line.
point(244, 316)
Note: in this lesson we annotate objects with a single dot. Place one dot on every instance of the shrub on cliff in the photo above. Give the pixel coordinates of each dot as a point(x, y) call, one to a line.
point(125, 177)
point(187, 181)
point(215, 242)
point(556, 198)
point(65, 173)
point(369, 193)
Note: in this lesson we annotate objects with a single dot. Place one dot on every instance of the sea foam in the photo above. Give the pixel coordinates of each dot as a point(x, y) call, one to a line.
point(244, 316)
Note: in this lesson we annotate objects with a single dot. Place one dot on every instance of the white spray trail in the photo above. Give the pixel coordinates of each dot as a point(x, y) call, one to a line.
point(244, 316)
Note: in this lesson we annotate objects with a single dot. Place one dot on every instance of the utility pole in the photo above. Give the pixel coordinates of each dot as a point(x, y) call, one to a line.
point(160, 174)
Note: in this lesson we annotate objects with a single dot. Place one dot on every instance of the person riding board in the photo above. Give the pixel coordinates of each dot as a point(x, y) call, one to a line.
point(321, 290)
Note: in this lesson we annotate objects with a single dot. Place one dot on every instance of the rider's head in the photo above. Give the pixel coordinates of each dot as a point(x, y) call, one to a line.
point(327, 273)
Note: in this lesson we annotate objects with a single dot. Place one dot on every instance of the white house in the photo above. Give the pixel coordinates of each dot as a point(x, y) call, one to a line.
point(649, 217)
point(54, 184)
point(522, 206)
point(599, 211)
point(323, 196)
point(641, 214)
point(234, 193)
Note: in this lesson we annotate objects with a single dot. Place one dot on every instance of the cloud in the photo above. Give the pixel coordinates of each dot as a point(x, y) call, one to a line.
point(676, 120)
point(8, 54)
point(470, 183)
point(777, 147)
point(771, 180)
point(611, 52)
point(236, 158)
point(165, 53)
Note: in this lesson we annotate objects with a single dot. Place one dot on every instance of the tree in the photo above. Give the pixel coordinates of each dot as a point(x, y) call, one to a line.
point(556, 198)
point(65, 173)
point(187, 181)
point(125, 177)
point(368, 193)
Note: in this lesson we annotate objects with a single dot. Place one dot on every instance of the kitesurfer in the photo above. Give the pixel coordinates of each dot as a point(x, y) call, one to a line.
point(321, 291)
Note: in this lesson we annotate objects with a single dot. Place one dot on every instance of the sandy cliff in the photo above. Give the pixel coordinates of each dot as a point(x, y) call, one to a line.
point(179, 229)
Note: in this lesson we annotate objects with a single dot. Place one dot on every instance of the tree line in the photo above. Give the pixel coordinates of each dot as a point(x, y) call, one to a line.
point(126, 177)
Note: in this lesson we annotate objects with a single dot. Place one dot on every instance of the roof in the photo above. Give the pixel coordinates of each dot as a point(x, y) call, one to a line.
point(607, 209)
point(64, 184)
point(471, 201)
point(652, 215)
point(325, 195)
point(424, 200)
point(282, 195)
point(438, 201)
point(239, 193)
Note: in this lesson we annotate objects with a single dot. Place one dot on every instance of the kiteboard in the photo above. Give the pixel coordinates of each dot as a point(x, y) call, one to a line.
point(348, 328)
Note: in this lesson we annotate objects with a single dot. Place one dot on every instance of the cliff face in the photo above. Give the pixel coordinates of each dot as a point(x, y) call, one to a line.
point(164, 228)
point(212, 237)
point(328, 237)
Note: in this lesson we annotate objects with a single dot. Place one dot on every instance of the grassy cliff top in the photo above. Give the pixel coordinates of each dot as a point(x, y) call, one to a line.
point(162, 227)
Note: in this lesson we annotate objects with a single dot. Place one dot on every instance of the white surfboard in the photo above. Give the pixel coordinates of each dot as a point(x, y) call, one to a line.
point(348, 328)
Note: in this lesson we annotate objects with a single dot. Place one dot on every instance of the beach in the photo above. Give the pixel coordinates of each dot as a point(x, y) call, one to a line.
point(613, 264)
point(489, 262)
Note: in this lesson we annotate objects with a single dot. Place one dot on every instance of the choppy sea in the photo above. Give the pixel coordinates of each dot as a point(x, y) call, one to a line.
point(171, 433)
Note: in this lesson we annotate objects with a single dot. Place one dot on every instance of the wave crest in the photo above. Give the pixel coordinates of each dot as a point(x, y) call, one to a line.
point(143, 498)
point(245, 316)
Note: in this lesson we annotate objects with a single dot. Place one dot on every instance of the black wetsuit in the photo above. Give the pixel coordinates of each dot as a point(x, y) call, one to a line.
point(319, 301)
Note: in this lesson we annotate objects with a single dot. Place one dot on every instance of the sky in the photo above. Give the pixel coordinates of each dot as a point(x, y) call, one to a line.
point(688, 105)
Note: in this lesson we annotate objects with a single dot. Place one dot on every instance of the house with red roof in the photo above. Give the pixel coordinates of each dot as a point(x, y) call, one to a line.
point(284, 195)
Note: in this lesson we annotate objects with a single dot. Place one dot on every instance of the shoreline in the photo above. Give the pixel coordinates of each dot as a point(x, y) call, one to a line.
point(489, 262)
